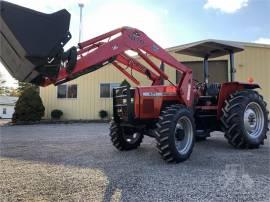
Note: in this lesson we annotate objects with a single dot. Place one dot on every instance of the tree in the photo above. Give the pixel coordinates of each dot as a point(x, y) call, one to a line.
point(2, 82)
point(13, 92)
point(7, 90)
point(23, 86)
point(125, 83)
point(29, 106)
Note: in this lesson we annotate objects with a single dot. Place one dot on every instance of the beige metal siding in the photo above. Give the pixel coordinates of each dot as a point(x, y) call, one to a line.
point(88, 102)
point(218, 70)
point(254, 61)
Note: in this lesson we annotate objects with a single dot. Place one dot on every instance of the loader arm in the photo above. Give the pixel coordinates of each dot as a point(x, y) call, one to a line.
point(111, 47)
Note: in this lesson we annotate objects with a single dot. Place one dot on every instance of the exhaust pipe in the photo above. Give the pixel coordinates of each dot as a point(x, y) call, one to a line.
point(32, 42)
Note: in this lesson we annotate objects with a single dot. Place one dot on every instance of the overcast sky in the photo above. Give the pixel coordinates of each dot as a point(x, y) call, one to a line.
point(169, 23)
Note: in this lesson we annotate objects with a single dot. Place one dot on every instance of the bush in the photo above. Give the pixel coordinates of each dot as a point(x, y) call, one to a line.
point(56, 114)
point(103, 114)
point(29, 107)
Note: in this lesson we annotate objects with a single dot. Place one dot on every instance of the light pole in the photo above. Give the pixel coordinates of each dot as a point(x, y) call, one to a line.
point(81, 5)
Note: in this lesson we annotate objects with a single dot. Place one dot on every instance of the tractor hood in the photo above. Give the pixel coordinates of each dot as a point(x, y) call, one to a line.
point(32, 42)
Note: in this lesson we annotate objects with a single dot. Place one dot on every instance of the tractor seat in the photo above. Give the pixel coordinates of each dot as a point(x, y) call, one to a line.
point(213, 89)
point(210, 95)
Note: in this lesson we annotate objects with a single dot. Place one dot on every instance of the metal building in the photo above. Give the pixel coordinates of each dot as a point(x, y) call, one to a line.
point(84, 97)
point(7, 104)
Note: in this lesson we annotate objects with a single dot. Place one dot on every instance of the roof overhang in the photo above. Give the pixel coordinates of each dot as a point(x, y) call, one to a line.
point(210, 48)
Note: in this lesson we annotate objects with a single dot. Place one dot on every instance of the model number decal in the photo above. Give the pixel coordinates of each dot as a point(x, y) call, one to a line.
point(155, 94)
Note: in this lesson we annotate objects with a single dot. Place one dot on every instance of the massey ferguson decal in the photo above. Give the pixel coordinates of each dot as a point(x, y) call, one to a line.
point(155, 48)
point(135, 36)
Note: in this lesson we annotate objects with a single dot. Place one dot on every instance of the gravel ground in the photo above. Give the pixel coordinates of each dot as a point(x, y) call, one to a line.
point(76, 162)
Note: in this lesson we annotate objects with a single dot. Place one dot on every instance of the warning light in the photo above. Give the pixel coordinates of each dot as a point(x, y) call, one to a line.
point(250, 80)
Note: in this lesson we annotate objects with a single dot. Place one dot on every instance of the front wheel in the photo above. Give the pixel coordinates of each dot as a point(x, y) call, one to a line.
point(175, 133)
point(125, 138)
point(245, 119)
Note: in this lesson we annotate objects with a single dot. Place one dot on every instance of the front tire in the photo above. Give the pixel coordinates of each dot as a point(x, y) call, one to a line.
point(245, 119)
point(125, 138)
point(175, 133)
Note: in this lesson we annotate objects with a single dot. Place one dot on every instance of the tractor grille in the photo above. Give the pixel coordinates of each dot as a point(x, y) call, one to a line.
point(123, 104)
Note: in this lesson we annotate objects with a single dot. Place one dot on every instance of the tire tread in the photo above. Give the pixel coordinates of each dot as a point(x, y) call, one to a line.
point(231, 118)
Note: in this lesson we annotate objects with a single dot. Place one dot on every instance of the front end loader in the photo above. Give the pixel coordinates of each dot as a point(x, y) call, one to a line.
point(175, 115)
point(32, 42)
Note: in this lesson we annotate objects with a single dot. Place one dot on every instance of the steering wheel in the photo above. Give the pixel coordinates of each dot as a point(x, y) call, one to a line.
point(198, 84)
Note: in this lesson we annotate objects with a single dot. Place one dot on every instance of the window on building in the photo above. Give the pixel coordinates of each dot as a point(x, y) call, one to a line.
point(72, 91)
point(4, 110)
point(67, 91)
point(106, 89)
point(62, 91)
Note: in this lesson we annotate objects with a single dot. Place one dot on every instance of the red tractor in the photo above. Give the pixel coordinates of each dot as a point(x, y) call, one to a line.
point(174, 114)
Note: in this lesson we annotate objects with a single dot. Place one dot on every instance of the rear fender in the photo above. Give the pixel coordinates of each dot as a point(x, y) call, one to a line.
point(229, 88)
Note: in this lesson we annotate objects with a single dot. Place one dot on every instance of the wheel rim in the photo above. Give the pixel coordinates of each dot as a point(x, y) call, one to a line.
point(183, 135)
point(253, 119)
point(130, 136)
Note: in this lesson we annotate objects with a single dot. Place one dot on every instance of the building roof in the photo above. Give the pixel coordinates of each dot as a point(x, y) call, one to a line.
point(8, 100)
point(243, 44)
point(210, 48)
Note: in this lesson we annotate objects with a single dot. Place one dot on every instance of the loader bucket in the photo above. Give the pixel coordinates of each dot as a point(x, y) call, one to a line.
point(32, 42)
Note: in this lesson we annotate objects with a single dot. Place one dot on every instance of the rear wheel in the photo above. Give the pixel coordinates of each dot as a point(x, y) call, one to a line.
point(175, 133)
point(125, 138)
point(245, 119)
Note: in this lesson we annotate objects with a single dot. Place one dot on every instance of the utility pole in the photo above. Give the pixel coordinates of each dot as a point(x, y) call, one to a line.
point(81, 5)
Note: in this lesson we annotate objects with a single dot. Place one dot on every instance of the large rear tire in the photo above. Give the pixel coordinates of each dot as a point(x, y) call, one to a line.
point(245, 119)
point(125, 138)
point(175, 133)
